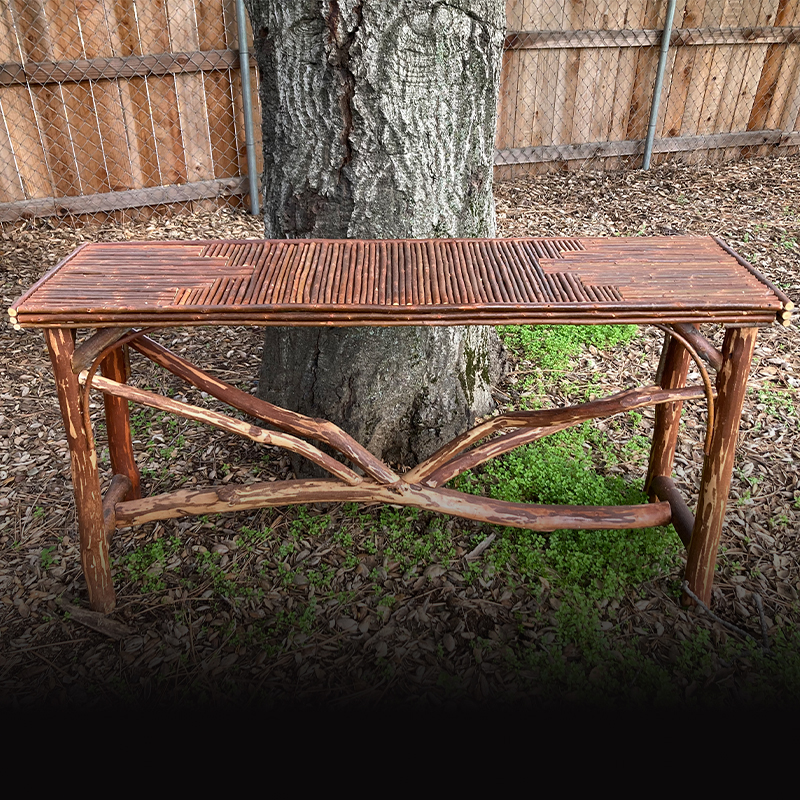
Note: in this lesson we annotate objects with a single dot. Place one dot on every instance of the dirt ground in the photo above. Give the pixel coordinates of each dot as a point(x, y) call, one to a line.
point(212, 617)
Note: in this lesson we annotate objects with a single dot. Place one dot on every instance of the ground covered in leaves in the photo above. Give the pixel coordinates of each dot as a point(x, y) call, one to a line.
point(338, 605)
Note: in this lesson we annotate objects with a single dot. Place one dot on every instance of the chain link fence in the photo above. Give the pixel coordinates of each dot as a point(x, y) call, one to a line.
point(130, 107)
point(579, 82)
point(120, 107)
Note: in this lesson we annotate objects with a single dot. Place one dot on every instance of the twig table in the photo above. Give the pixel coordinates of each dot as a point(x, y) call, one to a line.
point(121, 290)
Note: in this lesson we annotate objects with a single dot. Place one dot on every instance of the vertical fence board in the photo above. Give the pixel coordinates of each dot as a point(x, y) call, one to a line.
point(133, 96)
point(217, 87)
point(784, 89)
point(734, 87)
point(598, 82)
point(547, 77)
point(550, 71)
point(110, 98)
point(701, 74)
point(508, 95)
point(28, 144)
point(84, 126)
point(682, 70)
point(11, 187)
point(22, 150)
point(785, 14)
point(10, 180)
point(742, 79)
point(230, 25)
point(159, 98)
point(525, 123)
point(255, 104)
point(223, 125)
point(603, 107)
point(238, 115)
point(562, 64)
point(700, 77)
point(764, 14)
point(647, 14)
point(791, 114)
point(586, 78)
point(54, 130)
point(32, 30)
point(515, 10)
point(721, 63)
point(39, 43)
point(78, 104)
point(509, 91)
point(532, 68)
point(623, 82)
point(191, 93)
point(108, 101)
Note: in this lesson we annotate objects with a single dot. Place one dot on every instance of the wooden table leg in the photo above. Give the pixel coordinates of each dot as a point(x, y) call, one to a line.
point(668, 415)
point(737, 353)
point(85, 477)
point(118, 424)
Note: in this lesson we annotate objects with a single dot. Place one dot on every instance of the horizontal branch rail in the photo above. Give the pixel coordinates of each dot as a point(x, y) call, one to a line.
point(484, 509)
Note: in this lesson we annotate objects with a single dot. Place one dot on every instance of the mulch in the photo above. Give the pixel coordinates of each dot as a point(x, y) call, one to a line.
point(307, 623)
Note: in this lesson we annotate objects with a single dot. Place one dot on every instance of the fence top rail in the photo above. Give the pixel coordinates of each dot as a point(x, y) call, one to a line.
point(402, 282)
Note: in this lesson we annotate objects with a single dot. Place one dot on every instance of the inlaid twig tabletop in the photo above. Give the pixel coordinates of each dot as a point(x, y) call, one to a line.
point(414, 282)
point(124, 289)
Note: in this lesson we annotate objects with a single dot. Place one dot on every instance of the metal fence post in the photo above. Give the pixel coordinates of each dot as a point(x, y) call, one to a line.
point(247, 107)
point(662, 66)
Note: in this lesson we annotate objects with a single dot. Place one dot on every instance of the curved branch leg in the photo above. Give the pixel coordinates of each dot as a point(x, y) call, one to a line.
point(737, 353)
point(668, 416)
point(118, 424)
point(85, 477)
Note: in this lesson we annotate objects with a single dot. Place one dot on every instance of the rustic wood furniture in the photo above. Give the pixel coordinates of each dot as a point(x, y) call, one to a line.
point(122, 290)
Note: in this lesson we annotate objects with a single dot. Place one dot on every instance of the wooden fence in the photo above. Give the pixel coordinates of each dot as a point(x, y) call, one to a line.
point(115, 104)
point(119, 104)
point(578, 78)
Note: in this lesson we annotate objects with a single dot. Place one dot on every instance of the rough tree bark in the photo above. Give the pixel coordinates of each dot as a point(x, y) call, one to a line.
point(378, 122)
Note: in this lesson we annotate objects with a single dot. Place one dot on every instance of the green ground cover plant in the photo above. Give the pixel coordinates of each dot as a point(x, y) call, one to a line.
point(550, 347)
point(146, 564)
point(561, 469)
point(586, 568)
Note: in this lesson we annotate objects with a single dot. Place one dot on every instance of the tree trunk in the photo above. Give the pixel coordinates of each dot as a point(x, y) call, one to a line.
point(379, 122)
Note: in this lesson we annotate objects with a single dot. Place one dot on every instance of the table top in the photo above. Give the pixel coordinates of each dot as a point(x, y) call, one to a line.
point(401, 282)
